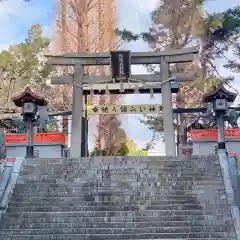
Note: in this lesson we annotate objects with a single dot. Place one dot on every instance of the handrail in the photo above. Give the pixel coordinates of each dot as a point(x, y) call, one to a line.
point(227, 179)
point(234, 172)
point(11, 174)
point(4, 181)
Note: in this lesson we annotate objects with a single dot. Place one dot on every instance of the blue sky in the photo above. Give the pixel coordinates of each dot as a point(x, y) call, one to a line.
point(16, 17)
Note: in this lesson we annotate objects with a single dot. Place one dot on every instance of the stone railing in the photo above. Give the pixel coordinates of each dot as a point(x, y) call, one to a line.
point(235, 177)
point(9, 170)
point(227, 172)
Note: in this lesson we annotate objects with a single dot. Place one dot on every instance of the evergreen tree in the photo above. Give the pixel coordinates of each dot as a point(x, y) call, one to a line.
point(176, 25)
point(231, 27)
point(23, 64)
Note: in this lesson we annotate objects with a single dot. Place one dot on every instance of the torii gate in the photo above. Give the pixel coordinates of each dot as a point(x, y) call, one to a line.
point(79, 60)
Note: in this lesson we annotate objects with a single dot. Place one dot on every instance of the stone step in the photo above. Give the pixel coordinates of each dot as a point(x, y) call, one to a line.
point(26, 180)
point(107, 189)
point(106, 166)
point(115, 178)
point(179, 235)
point(101, 181)
point(127, 198)
point(141, 184)
point(114, 182)
point(143, 230)
point(75, 237)
point(13, 218)
point(118, 177)
point(117, 186)
point(71, 208)
point(152, 166)
point(122, 163)
point(129, 224)
point(123, 171)
point(146, 213)
point(49, 160)
point(104, 194)
point(92, 195)
point(126, 171)
point(140, 174)
point(75, 182)
point(137, 160)
point(98, 162)
point(72, 202)
point(129, 167)
point(128, 160)
point(109, 193)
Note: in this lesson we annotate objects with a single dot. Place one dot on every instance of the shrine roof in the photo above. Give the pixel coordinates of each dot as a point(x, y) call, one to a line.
point(219, 92)
point(29, 95)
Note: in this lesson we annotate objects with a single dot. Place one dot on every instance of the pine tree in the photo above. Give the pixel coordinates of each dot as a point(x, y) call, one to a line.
point(230, 36)
point(22, 64)
point(177, 24)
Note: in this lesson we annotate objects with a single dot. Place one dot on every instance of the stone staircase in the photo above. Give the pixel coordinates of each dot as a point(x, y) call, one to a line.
point(119, 198)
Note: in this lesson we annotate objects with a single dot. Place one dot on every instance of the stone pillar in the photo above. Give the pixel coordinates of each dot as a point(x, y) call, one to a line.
point(221, 137)
point(169, 136)
point(69, 133)
point(30, 133)
point(85, 136)
point(77, 112)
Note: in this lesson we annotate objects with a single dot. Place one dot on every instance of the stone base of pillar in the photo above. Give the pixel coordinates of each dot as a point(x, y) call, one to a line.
point(29, 152)
point(221, 145)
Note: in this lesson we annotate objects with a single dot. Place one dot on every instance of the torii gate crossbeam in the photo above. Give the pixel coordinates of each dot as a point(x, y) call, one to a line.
point(79, 60)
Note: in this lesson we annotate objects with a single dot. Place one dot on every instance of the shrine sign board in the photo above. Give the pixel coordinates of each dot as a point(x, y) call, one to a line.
point(121, 65)
point(124, 109)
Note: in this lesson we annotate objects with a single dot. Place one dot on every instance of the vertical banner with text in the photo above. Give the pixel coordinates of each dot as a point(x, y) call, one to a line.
point(121, 65)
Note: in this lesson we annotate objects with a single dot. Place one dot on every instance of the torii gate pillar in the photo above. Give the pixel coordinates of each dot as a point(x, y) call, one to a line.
point(168, 124)
point(77, 109)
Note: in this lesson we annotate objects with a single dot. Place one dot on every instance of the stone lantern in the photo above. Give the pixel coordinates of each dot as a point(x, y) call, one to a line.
point(220, 99)
point(29, 102)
